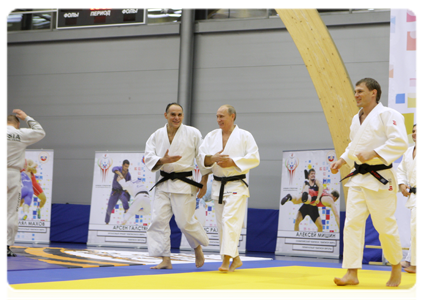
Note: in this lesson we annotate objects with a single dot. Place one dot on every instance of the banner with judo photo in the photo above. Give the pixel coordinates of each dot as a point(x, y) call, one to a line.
point(36, 190)
point(309, 205)
point(205, 213)
point(121, 201)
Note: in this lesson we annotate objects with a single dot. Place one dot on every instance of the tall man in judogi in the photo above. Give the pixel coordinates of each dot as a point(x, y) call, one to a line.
point(407, 181)
point(172, 149)
point(230, 153)
point(17, 141)
point(378, 138)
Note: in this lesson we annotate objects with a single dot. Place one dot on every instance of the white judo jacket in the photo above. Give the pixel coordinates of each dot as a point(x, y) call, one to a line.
point(243, 150)
point(383, 131)
point(406, 173)
point(19, 139)
point(186, 143)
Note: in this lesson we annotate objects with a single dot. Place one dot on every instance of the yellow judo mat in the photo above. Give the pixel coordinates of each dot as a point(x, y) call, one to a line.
point(275, 278)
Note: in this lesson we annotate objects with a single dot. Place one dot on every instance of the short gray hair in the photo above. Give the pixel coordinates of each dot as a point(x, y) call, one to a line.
point(231, 110)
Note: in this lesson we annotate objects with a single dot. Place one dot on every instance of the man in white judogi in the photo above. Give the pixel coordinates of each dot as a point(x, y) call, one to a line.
point(378, 138)
point(172, 149)
point(407, 181)
point(141, 197)
point(230, 153)
point(17, 141)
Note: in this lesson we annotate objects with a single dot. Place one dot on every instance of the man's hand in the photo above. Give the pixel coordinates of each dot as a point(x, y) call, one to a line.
point(337, 165)
point(404, 189)
point(167, 159)
point(226, 163)
point(366, 155)
point(201, 192)
point(20, 114)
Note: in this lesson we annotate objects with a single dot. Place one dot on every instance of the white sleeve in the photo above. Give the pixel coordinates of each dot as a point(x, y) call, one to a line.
point(33, 134)
point(151, 158)
point(203, 150)
point(251, 159)
point(397, 142)
point(402, 172)
point(200, 158)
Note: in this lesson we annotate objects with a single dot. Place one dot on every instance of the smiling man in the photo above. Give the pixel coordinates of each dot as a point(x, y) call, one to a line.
point(230, 153)
point(378, 138)
point(172, 150)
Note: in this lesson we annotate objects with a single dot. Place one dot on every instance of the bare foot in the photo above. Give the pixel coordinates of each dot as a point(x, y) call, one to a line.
point(395, 279)
point(165, 264)
point(236, 263)
point(225, 264)
point(350, 278)
point(199, 257)
point(410, 269)
point(405, 264)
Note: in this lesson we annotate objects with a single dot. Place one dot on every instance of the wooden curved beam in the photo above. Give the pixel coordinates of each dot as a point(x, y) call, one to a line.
point(327, 71)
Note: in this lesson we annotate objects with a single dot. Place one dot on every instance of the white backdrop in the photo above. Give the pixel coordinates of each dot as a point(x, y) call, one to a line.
point(34, 224)
point(402, 92)
point(307, 241)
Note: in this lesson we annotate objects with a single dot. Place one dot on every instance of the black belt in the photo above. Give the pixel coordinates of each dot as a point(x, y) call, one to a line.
point(224, 180)
point(181, 176)
point(117, 191)
point(142, 192)
point(372, 169)
point(413, 190)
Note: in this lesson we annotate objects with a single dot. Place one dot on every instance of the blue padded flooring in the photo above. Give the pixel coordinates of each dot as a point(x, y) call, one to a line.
point(28, 270)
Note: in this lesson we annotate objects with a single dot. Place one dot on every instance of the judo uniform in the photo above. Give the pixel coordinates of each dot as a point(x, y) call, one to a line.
point(141, 197)
point(407, 174)
point(17, 141)
point(242, 149)
point(174, 196)
point(117, 193)
point(383, 131)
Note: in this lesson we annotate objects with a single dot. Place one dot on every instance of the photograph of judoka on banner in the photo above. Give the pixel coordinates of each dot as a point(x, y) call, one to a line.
point(205, 213)
point(309, 205)
point(121, 200)
point(36, 190)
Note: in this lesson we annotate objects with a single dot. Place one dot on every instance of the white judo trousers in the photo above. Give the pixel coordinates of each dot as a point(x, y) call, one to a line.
point(230, 217)
point(381, 205)
point(183, 207)
point(13, 201)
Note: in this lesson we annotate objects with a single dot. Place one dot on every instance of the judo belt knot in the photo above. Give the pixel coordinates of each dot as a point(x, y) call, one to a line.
point(224, 180)
point(372, 169)
point(413, 190)
point(181, 176)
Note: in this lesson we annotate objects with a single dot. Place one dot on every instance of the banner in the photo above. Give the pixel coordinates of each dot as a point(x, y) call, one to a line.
point(307, 229)
point(402, 92)
point(36, 190)
point(205, 213)
point(112, 221)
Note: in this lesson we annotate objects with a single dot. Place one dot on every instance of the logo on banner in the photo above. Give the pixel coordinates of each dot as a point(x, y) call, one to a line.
point(104, 163)
point(43, 157)
point(291, 165)
point(330, 156)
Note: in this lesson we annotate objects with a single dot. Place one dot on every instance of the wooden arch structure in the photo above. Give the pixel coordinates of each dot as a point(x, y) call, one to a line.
point(327, 71)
